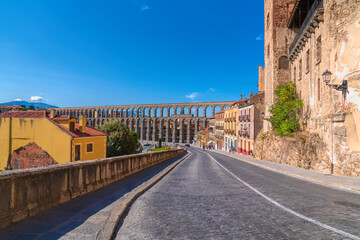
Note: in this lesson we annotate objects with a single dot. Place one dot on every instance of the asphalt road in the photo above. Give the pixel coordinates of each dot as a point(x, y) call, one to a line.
point(212, 196)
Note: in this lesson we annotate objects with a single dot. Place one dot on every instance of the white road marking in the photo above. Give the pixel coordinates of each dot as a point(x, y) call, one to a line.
point(345, 234)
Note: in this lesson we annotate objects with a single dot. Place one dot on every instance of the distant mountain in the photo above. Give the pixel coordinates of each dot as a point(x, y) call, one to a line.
point(27, 104)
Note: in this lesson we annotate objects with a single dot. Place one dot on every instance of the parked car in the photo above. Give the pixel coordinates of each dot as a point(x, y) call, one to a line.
point(187, 145)
point(147, 144)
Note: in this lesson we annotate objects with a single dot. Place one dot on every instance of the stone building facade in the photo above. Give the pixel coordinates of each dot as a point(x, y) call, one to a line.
point(320, 36)
point(250, 122)
point(230, 127)
point(277, 39)
point(219, 130)
point(328, 38)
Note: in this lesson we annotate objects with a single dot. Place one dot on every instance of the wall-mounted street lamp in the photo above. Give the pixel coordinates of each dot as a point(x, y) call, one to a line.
point(327, 77)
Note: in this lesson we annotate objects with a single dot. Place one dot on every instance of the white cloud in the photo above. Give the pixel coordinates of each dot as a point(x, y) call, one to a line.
point(36, 98)
point(211, 89)
point(193, 95)
point(260, 37)
point(18, 100)
point(144, 7)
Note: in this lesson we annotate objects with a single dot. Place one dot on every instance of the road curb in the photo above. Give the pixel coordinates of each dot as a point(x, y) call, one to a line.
point(314, 180)
point(108, 231)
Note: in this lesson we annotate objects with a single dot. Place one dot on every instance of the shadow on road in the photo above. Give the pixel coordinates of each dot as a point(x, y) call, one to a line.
point(71, 217)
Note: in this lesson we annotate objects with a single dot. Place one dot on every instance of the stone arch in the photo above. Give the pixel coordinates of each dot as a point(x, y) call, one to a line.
point(178, 110)
point(283, 62)
point(224, 107)
point(165, 112)
point(200, 111)
point(208, 111)
point(152, 112)
point(186, 110)
point(193, 111)
point(146, 112)
point(134, 112)
point(171, 111)
point(158, 112)
point(217, 109)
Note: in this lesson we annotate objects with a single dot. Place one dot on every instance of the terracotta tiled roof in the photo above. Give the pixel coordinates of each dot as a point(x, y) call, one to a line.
point(89, 132)
point(25, 114)
point(63, 117)
point(10, 106)
point(29, 156)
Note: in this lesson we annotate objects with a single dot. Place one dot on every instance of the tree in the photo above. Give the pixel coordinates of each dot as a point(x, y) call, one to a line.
point(31, 107)
point(285, 112)
point(159, 143)
point(23, 106)
point(120, 140)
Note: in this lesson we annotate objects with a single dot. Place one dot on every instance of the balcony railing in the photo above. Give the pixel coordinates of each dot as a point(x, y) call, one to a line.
point(314, 10)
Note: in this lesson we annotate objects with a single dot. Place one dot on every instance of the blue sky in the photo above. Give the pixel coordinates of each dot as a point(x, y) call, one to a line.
point(115, 52)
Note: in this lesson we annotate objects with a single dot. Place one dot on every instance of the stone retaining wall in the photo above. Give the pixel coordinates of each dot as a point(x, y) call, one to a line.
point(26, 192)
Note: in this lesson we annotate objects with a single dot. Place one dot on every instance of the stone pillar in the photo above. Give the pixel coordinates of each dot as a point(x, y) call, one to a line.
point(154, 133)
point(188, 138)
point(161, 112)
point(174, 132)
point(182, 111)
point(196, 125)
point(196, 112)
point(181, 135)
point(167, 133)
point(148, 129)
point(142, 129)
point(213, 111)
point(161, 132)
point(205, 112)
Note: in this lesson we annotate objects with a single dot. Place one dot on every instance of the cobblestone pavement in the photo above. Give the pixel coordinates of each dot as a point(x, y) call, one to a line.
point(201, 200)
point(83, 217)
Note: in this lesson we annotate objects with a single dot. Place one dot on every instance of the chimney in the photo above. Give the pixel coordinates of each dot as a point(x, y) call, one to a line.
point(240, 96)
point(82, 123)
point(52, 113)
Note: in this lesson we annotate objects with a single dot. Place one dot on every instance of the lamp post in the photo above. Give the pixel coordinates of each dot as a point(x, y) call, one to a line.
point(338, 87)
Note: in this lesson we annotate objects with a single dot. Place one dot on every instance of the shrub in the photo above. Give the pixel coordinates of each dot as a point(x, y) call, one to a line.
point(285, 112)
point(120, 140)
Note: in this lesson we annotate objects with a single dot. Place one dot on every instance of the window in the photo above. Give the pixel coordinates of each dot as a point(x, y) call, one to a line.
point(72, 126)
point(77, 153)
point(283, 62)
point(294, 74)
point(268, 20)
point(89, 147)
point(300, 69)
point(268, 50)
point(307, 61)
point(249, 112)
point(318, 50)
point(319, 89)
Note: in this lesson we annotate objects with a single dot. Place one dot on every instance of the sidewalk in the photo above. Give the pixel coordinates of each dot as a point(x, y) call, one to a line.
point(347, 183)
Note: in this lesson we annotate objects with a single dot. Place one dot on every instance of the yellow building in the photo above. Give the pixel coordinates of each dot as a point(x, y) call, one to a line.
point(230, 127)
point(57, 139)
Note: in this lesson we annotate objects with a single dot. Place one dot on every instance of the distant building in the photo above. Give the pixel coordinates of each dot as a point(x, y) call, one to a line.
point(230, 138)
point(6, 108)
point(202, 138)
point(250, 122)
point(212, 131)
point(38, 138)
point(219, 130)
